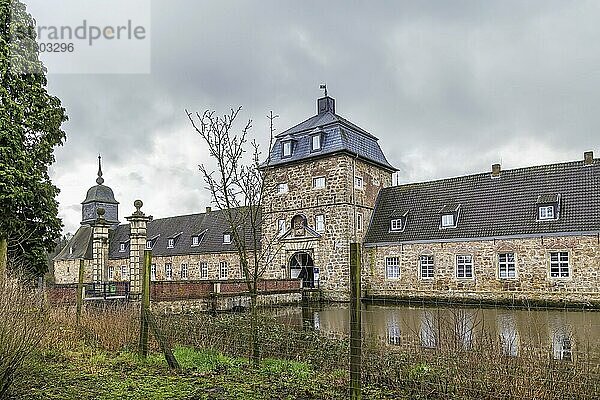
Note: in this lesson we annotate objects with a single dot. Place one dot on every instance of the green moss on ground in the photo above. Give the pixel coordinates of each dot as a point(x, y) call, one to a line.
point(93, 374)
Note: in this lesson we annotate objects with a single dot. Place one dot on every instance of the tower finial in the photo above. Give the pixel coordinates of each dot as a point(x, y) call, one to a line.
point(323, 86)
point(99, 180)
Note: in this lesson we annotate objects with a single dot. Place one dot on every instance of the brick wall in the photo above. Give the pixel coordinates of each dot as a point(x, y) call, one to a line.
point(61, 294)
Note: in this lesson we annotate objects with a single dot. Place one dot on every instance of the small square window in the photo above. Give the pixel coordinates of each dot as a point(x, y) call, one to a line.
point(392, 267)
point(447, 220)
point(282, 188)
point(170, 243)
point(148, 244)
point(227, 238)
point(319, 183)
point(315, 142)
point(320, 223)
point(546, 212)
point(195, 240)
point(358, 182)
point(396, 224)
point(122, 247)
point(287, 148)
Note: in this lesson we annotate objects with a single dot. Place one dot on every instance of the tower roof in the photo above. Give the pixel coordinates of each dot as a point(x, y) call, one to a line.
point(100, 193)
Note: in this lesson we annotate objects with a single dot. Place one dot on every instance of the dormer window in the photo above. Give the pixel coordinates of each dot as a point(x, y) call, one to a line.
point(449, 215)
point(398, 220)
point(122, 246)
point(148, 244)
point(358, 182)
point(315, 142)
point(548, 207)
point(287, 148)
point(396, 225)
point(195, 240)
point(170, 243)
point(227, 238)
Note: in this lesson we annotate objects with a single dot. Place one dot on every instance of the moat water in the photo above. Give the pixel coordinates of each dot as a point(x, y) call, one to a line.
point(563, 334)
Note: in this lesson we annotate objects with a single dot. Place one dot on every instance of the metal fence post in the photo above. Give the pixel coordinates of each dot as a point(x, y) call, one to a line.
point(355, 323)
point(145, 305)
point(80, 291)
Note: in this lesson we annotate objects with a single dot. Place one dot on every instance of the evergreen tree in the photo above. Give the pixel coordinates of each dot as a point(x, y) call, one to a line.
point(30, 129)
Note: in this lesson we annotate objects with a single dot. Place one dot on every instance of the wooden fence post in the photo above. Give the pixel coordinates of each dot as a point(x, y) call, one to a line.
point(355, 323)
point(80, 291)
point(145, 305)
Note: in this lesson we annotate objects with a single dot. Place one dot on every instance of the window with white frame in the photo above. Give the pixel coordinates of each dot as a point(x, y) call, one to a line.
point(184, 271)
point(122, 247)
point(546, 212)
point(168, 271)
point(195, 240)
point(124, 272)
point(223, 270)
point(392, 267)
point(319, 182)
point(315, 142)
point(426, 266)
point(203, 270)
point(358, 182)
point(282, 188)
point(153, 272)
point(287, 148)
point(227, 238)
point(170, 243)
point(281, 227)
point(320, 223)
point(148, 244)
point(359, 222)
point(506, 266)
point(464, 266)
point(111, 273)
point(559, 264)
point(396, 224)
point(447, 220)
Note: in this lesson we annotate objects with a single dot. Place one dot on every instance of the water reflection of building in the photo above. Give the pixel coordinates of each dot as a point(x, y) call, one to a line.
point(428, 329)
point(508, 333)
point(463, 328)
point(561, 339)
point(393, 330)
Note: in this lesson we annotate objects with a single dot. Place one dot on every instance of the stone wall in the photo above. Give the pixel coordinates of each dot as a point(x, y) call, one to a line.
point(532, 282)
point(67, 271)
point(339, 202)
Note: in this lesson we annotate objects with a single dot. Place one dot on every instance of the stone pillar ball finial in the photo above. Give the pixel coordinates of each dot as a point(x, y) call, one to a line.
point(138, 204)
point(100, 211)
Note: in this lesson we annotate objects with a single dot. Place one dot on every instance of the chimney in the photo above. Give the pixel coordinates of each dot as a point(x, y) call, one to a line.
point(588, 158)
point(208, 210)
point(495, 170)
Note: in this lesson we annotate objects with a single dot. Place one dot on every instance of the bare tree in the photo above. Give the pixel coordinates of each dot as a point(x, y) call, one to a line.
point(237, 188)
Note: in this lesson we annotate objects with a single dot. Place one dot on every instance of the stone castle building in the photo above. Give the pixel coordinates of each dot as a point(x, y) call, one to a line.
point(523, 234)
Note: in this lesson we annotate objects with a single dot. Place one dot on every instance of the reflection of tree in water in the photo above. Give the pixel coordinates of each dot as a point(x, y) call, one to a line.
point(509, 336)
point(428, 329)
point(393, 330)
point(561, 338)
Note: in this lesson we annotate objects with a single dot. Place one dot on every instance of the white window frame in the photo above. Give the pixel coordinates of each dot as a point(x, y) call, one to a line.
point(546, 213)
point(392, 268)
point(111, 273)
point(448, 221)
point(170, 243)
point(281, 228)
point(185, 273)
point(464, 264)
point(227, 238)
point(317, 182)
point(316, 138)
point(287, 148)
point(562, 265)
point(124, 272)
point(148, 244)
point(169, 271)
point(505, 263)
point(426, 264)
point(153, 272)
point(122, 247)
point(282, 188)
point(195, 240)
point(203, 270)
point(320, 223)
point(223, 270)
point(359, 182)
point(396, 225)
point(359, 221)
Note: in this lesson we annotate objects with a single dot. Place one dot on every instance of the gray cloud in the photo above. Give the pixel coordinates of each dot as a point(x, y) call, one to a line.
point(448, 87)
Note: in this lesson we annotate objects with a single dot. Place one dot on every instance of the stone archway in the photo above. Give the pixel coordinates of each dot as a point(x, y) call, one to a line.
point(302, 266)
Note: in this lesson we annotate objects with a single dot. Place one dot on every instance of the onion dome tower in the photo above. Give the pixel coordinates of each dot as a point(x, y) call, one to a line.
point(100, 196)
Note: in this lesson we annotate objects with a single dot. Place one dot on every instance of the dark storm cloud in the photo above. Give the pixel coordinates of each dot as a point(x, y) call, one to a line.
point(448, 87)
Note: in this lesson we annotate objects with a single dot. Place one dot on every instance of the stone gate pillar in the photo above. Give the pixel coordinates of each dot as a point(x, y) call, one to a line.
point(137, 244)
point(99, 247)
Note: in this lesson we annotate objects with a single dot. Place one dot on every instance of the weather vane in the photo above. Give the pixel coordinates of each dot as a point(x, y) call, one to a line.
point(323, 86)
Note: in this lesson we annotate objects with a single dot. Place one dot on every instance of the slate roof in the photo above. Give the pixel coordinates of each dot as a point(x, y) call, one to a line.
point(210, 225)
point(81, 243)
point(100, 193)
point(339, 135)
point(492, 207)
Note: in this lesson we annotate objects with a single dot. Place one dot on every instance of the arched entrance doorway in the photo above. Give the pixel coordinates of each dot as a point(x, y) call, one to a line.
point(303, 267)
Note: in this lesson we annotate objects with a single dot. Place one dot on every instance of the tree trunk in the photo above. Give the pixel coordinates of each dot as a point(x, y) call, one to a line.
point(3, 256)
point(254, 330)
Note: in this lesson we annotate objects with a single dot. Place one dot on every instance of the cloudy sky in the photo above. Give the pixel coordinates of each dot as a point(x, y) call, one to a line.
point(449, 87)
